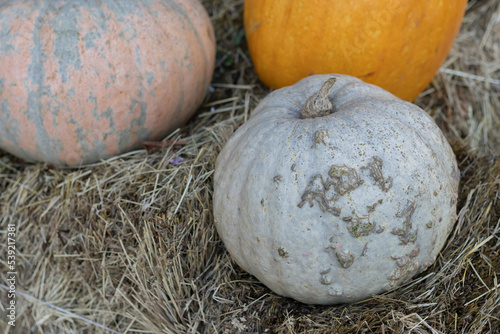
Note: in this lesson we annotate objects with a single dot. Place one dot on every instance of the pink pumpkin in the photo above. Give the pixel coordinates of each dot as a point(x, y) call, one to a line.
point(85, 80)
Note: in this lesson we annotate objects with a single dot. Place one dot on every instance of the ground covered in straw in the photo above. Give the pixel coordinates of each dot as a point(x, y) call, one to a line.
point(128, 245)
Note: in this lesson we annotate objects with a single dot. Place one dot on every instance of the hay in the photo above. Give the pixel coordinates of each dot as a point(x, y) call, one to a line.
point(128, 245)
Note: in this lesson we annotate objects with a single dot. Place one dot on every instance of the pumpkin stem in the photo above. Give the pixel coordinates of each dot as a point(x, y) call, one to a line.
point(318, 104)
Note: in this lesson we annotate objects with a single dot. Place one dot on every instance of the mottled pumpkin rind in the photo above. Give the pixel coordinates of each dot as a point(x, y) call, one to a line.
point(83, 81)
point(397, 45)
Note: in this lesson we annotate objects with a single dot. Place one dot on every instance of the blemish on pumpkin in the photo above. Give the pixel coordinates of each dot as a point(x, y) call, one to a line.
point(345, 259)
point(406, 268)
point(336, 290)
point(282, 252)
point(254, 26)
point(365, 249)
point(258, 240)
point(360, 226)
point(316, 191)
point(319, 137)
point(325, 271)
point(278, 178)
point(375, 169)
point(324, 279)
point(367, 75)
point(344, 179)
point(341, 178)
point(372, 207)
point(406, 234)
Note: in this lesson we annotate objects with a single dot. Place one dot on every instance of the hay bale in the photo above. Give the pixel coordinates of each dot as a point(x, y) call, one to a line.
point(129, 245)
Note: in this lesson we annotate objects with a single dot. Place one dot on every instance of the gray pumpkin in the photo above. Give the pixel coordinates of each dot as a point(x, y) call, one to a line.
point(335, 190)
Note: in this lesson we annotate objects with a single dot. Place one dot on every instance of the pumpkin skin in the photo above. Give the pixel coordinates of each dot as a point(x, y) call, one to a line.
point(397, 45)
point(337, 208)
point(81, 81)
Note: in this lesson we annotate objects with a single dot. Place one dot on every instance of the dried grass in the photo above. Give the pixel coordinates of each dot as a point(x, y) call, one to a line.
point(129, 246)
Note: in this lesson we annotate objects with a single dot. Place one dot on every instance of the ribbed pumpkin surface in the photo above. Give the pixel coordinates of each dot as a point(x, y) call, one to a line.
point(335, 208)
point(395, 44)
point(85, 80)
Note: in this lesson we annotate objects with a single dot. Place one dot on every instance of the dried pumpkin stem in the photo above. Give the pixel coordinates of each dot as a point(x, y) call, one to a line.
point(319, 104)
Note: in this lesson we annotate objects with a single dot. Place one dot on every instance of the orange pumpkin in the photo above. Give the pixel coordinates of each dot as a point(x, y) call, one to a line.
point(396, 44)
point(86, 80)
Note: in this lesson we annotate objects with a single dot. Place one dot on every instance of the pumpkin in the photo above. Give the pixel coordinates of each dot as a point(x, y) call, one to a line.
point(335, 190)
point(397, 45)
point(81, 81)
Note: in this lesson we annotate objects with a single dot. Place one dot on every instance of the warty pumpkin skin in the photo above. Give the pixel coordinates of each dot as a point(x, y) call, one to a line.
point(336, 208)
point(395, 44)
point(85, 80)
